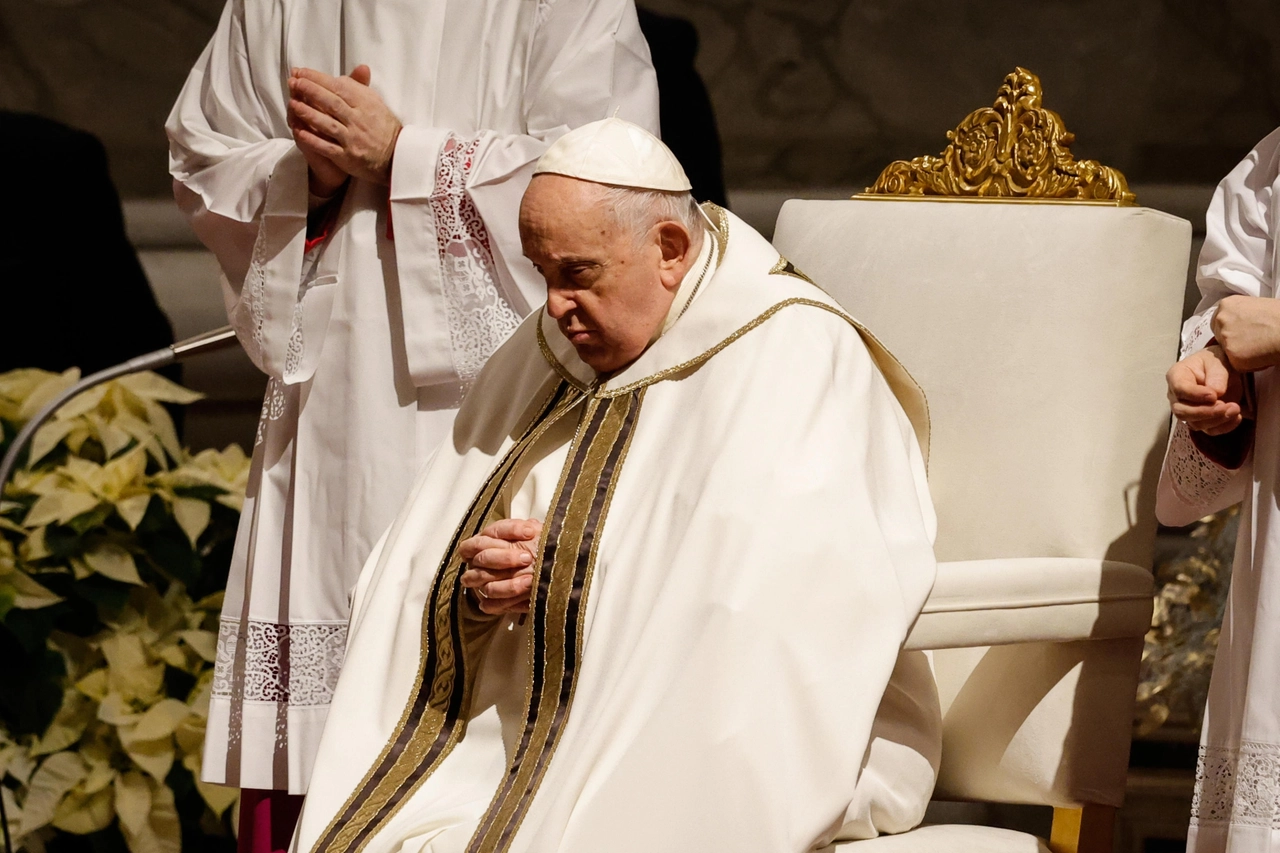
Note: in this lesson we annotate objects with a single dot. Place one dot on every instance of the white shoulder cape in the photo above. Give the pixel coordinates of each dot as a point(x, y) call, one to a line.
point(739, 546)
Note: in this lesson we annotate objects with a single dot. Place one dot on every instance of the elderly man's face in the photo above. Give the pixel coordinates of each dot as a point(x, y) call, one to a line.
point(608, 294)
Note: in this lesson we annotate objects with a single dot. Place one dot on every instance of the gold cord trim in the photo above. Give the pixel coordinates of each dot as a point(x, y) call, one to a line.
point(785, 267)
point(551, 359)
point(697, 285)
point(720, 218)
point(885, 361)
point(434, 718)
point(562, 583)
point(1016, 149)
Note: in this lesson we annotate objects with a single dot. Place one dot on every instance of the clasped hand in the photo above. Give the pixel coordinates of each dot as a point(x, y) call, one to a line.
point(342, 127)
point(500, 565)
point(1206, 387)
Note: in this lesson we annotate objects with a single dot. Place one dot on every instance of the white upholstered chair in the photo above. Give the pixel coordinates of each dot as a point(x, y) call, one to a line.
point(1041, 334)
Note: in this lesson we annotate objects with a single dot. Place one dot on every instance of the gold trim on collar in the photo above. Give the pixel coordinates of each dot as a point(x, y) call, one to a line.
point(894, 372)
point(560, 369)
point(785, 267)
point(706, 354)
point(720, 218)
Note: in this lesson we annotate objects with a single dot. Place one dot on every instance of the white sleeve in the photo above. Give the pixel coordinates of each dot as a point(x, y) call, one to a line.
point(903, 755)
point(1235, 260)
point(241, 180)
point(464, 283)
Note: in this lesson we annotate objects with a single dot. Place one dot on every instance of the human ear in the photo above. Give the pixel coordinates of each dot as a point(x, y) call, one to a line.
point(674, 242)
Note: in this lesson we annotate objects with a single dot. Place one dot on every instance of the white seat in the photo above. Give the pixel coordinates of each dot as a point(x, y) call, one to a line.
point(947, 839)
point(1040, 334)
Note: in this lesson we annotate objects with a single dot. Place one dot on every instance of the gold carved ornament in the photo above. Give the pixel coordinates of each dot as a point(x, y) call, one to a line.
point(1013, 150)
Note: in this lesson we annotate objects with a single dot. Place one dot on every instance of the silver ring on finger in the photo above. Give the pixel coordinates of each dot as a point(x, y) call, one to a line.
point(480, 592)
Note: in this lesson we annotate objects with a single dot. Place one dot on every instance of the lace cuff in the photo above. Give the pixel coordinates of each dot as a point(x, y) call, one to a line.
point(479, 318)
point(1197, 332)
point(1196, 479)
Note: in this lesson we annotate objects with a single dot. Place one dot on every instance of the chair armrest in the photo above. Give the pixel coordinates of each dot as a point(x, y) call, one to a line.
point(1033, 599)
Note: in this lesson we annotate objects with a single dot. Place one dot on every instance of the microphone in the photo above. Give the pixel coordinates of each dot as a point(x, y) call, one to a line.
point(202, 344)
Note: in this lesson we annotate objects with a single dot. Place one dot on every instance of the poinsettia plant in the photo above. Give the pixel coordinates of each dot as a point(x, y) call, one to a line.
point(114, 548)
point(1192, 584)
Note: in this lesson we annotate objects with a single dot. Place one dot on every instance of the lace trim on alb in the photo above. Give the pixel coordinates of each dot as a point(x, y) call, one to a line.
point(1238, 786)
point(253, 295)
point(1196, 479)
point(1197, 334)
point(305, 676)
point(479, 318)
point(273, 407)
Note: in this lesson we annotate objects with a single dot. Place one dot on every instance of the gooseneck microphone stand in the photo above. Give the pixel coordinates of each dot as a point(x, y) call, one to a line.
point(208, 342)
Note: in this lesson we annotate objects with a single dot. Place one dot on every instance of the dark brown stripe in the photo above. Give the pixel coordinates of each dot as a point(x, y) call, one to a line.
point(411, 727)
point(280, 749)
point(539, 628)
point(235, 711)
point(576, 610)
point(587, 477)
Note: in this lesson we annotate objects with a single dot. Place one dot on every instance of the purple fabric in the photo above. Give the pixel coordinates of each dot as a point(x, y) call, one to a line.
point(267, 819)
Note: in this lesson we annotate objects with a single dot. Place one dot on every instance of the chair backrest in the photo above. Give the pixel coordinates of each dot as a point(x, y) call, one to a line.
point(1040, 334)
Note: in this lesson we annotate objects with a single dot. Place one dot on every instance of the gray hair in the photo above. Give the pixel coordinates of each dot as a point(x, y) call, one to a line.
point(639, 210)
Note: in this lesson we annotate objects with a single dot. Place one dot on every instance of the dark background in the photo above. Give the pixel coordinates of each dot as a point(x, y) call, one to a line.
point(808, 93)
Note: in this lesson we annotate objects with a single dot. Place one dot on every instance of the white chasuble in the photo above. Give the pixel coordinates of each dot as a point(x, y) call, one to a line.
point(736, 544)
point(371, 337)
point(1236, 807)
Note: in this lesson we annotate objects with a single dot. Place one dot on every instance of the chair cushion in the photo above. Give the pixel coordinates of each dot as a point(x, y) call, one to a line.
point(954, 838)
point(1039, 599)
point(1040, 334)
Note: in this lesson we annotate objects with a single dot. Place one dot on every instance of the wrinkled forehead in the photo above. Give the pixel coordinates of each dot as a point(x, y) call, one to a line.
point(558, 209)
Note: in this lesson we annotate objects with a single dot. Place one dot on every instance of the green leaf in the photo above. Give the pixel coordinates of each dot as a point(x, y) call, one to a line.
point(62, 541)
point(73, 718)
point(108, 594)
point(85, 522)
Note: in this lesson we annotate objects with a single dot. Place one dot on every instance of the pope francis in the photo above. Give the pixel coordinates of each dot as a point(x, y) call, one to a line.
point(649, 595)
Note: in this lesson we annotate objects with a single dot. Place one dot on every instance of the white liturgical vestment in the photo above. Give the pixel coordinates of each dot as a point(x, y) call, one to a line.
point(1236, 807)
point(736, 541)
point(370, 337)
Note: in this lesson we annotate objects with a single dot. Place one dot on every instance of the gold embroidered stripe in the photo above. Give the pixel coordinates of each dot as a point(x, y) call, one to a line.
point(559, 607)
point(434, 719)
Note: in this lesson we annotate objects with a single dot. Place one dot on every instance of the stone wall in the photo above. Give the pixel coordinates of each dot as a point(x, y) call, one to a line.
point(809, 93)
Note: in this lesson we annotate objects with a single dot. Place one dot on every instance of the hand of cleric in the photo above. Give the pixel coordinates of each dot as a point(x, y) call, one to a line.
point(1204, 392)
point(324, 178)
point(500, 564)
point(342, 120)
point(1248, 330)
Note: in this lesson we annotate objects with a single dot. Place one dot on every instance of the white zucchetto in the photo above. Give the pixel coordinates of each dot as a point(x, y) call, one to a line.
point(618, 153)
